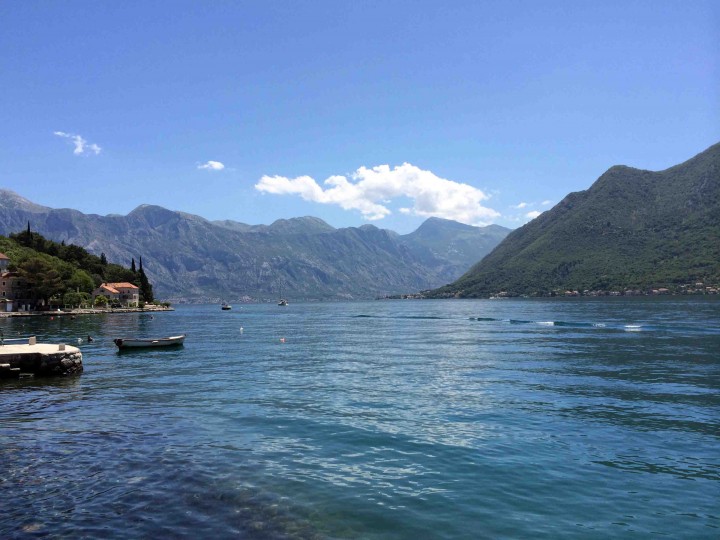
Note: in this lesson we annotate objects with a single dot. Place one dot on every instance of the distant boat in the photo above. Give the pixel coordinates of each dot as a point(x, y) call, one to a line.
point(136, 343)
point(282, 302)
point(225, 306)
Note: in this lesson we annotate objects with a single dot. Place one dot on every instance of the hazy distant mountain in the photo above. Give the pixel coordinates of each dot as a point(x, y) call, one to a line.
point(632, 228)
point(452, 241)
point(190, 258)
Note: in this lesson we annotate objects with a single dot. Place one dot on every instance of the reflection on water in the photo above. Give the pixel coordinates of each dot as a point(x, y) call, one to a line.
point(467, 419)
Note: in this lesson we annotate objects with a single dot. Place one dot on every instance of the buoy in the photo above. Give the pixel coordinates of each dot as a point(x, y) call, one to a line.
point(79, 340)
point(242, 329)
point(282, 340)
point(90, 339)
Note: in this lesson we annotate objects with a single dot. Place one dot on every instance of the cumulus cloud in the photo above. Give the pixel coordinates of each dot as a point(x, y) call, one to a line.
point(370, 191)
point(212, 166)
point(520, 205)
point(545, 203)
point(81, 145)
point(533, 214)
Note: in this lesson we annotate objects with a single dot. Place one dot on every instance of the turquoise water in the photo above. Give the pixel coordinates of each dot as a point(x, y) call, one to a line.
point(406, 419)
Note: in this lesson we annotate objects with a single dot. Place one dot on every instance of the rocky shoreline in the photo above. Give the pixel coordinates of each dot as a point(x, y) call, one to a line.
point(84, 311)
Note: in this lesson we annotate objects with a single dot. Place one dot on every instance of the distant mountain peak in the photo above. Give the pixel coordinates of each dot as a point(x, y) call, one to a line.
point(12, 201)
point(438, 222)
point(146, 208)
point(300, 225)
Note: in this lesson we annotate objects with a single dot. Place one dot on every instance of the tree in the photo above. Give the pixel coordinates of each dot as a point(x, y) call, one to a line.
point(100, 301)
point(75, 299)
point(81, 281)
point(43, 280)
point(146, 292)
point(132, 265)
point(103, 259)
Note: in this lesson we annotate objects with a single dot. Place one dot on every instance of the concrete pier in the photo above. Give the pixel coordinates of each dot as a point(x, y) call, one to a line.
point(40, 360)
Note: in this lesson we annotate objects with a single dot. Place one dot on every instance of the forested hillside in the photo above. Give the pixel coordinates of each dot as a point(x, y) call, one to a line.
point(632, 230)
point(64, 274)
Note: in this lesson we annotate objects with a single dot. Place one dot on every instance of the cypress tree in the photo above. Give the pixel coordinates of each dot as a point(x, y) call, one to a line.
point(146, 291)
point(132, 265)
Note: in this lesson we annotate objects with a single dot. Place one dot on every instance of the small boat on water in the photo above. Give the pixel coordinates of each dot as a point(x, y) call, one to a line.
point(282, 302)
point(137, 343)
point(225, 306)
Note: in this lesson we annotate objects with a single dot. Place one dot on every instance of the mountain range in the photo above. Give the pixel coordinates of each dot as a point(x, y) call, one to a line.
point(632, 229)
point(191, 259)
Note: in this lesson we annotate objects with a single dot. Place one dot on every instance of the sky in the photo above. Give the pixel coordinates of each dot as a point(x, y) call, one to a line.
point(380, 112)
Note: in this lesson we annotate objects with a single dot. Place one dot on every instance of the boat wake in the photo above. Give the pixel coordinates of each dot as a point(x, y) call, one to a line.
point(560, 325)
point(567, 324)
point(419, 317)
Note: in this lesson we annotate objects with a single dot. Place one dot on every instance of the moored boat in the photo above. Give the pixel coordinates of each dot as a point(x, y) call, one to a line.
point(225, 306)
point(282, 302)
point(137, 343)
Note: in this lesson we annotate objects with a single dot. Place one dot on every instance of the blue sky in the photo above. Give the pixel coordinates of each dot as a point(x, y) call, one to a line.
point(479, 111)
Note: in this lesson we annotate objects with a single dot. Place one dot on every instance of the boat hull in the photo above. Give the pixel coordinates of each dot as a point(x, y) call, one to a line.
point(134, 343)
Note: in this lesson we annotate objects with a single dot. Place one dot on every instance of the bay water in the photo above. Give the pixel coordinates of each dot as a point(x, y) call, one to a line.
point(558, 418)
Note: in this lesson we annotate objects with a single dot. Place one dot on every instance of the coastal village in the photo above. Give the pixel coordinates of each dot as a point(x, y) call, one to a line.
point(17, 297)
point(697, 288)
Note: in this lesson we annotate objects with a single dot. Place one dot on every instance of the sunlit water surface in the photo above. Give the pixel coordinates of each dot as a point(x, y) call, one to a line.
point(413, 419)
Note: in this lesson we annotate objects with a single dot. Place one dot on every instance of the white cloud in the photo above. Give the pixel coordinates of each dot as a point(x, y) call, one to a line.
point(520, 205)
point(545, 203)
point(533, 214)
point(370, 190)
point(212, 166)
point(81, 145)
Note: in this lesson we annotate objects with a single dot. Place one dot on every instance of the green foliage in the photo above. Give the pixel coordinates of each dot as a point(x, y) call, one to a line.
point(76, 299)
point(100, 301)
point(632, 229)
point(76, 256)
point(80, 281)
point(116, 274)
point(53, 269)
point(146, 291)
point(42, 277)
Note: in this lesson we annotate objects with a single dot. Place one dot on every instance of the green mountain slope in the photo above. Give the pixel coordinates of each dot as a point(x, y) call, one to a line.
point(67, 274)
point(632, 229)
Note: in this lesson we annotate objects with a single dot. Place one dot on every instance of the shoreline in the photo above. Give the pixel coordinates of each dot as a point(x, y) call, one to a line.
point(82, 311)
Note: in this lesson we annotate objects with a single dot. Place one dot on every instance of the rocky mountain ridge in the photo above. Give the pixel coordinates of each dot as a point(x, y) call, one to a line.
point(191, 259)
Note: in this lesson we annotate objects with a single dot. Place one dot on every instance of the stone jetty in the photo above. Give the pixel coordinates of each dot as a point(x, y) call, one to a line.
point(39, 359)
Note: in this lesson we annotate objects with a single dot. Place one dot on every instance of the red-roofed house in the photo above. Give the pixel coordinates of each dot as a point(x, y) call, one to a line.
point(123, 293)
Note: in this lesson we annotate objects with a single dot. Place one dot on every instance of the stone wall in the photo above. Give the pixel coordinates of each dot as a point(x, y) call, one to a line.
point(40, 363)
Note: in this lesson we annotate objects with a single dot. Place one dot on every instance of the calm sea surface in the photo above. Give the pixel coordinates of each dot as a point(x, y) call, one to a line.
point(406, 419)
